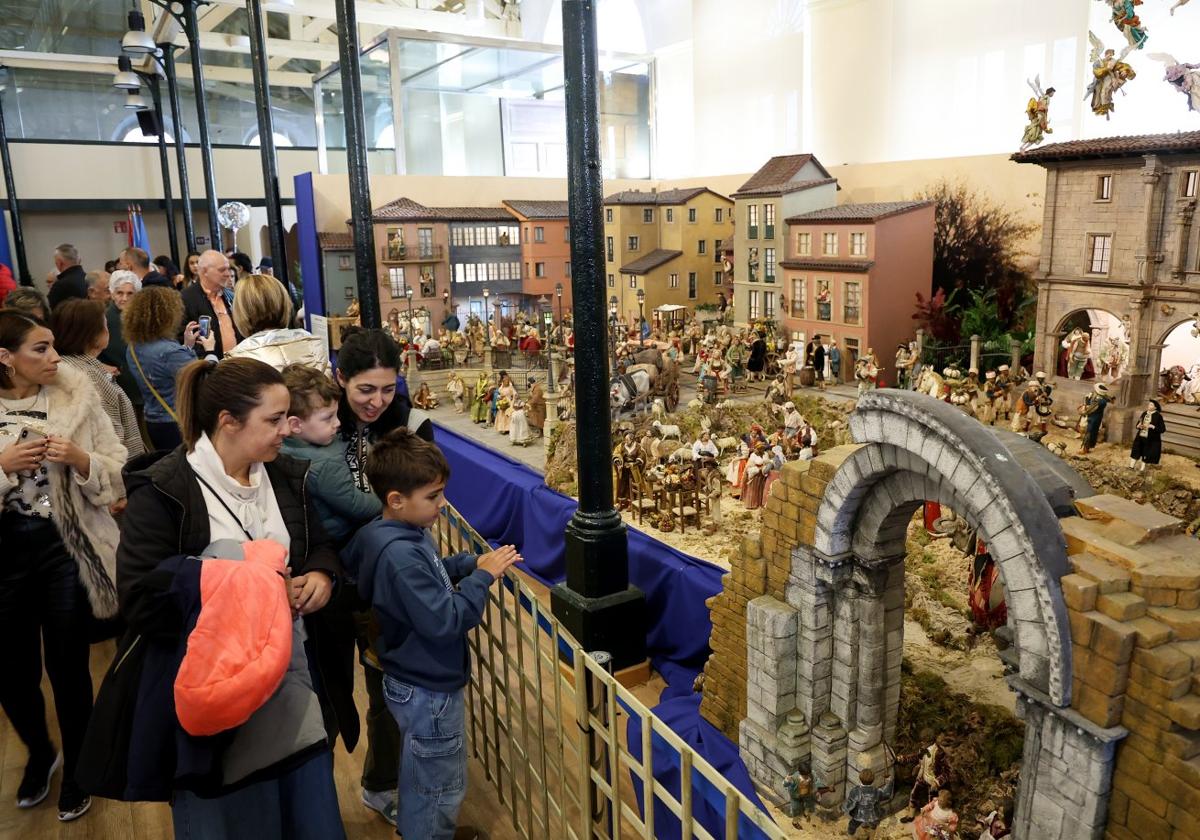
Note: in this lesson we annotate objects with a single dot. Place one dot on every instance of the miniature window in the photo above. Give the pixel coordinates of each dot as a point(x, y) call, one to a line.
point(670, 215)
point(858, 244)
point(470, 272)
point(719, 215)
point(673, 281)
point(492, 235)
point(804, 244)
point(633, 243)
point(691, 214)
point(633, 281)
point(769, 221)
point(754, 313)
point(1191, 180)
point(608, 246)
point(539, 269)
point(768, 265)
point(460, 273)
point(539, 234)
point(849, 352)
point(567, 233)
point(456, 237)
point(1104, 188)
point(768, 304)
point(798, 295)
point(526, 274)
point(830, 247)
point(716, 250)
point(692, 285)
point(703, 246)
point(852, 303)
point(1099, 253)
point(425, 243)
point(608, 214)
point(567, 269)
point(752, 222)
point(516, 271)
point(345, 262)
point(612, 280)
point(647, 215)
point(718, 278)
point(526, 233)
point(396, 281)
point(824, 301)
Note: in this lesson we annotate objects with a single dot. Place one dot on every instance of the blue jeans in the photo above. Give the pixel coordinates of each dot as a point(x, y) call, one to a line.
point(433, 758)
point(301, 804)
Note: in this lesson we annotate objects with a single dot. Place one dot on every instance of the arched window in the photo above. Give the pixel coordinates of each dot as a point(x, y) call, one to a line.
point(281, 140)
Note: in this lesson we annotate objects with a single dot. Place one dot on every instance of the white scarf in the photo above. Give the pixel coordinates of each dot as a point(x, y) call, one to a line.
point(254, 508)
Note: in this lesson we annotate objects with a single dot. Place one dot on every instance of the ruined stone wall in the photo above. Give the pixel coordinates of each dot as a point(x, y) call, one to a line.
point(1134, 601)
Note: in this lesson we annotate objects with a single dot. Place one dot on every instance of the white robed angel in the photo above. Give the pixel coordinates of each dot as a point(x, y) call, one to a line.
point(1182, 76)
point(1109, 75)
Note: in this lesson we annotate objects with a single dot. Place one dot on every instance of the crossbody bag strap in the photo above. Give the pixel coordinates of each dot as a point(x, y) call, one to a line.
point(150, 385)
point(223, 504)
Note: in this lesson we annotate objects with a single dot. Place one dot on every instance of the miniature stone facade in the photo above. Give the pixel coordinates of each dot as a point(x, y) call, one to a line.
point(813, 672)
point(1118, 235)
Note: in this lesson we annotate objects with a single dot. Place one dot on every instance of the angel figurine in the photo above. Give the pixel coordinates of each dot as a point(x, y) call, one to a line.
point(1178, 4)
point(1110, 73)
point(1125, 18)
point(1185, 78)
point(1038, 114)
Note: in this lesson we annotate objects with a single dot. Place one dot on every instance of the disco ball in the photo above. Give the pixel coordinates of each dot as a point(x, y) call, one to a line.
point(233, 215)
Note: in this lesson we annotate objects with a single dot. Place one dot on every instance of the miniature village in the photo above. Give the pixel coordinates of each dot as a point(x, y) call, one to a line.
point(737, 398)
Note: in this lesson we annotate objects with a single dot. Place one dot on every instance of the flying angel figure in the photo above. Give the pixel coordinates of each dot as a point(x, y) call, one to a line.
point(1184, 77)
point(1038, 114)
point(1127, 21)
point(1178, 4)
point(1110, 73)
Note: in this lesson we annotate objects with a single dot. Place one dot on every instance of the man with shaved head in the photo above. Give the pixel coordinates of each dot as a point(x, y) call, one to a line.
point(213, 297)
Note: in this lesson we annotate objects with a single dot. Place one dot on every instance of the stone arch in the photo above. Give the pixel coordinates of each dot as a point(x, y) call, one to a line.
point(824, 667)
point(1097, 333)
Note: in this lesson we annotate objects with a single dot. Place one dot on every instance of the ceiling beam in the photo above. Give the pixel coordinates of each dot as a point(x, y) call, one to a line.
point(386, 16)
point(106, 65)
point(276, 47)
point(216, 15)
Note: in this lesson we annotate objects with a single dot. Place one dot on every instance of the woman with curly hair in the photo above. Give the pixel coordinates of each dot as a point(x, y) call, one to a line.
point(150, 325)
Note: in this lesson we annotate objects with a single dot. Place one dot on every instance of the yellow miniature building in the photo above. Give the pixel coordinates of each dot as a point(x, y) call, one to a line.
point(665, 244)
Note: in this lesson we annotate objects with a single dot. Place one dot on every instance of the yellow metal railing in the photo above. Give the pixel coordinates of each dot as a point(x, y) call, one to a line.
point(547, 721)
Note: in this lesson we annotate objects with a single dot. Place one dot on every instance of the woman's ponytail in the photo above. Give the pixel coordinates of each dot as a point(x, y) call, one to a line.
point(188, 400)
point(203, 390)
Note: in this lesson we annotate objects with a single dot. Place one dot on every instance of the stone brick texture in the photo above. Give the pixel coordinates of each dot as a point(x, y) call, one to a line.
point(1134, 601)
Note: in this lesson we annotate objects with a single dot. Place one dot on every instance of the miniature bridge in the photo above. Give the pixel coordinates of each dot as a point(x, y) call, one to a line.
point(808, 633)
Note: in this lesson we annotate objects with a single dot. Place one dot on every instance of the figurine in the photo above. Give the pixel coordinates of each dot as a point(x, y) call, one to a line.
point(931, 773)
point(537, 406)
point(1110, 73)
point(483, 398)
point(1079, 351)
point(1043, 408)
point(864, 802)
point(792, 419)
point(624, 459)
point(1147, 442)
point(1038, 114)
point(903, 363)
point(791, 361)
point(757, 363)
point(834, 359)
point(1113, 356)
point(506, 394)
point(991, 392)
point(806, 440)
point(866, 371)
point(518, 424)
point(1093, 408)
point(704, 451)
point(1185, 78)
point(755, 477)
point(801, 789)
point(1124, 17)
point(937, 820)
point(994, 824)
point(1178, 3)
point(456, 389)
point(425, 399)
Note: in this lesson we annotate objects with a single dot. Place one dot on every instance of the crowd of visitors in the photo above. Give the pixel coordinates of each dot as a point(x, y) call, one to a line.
point(173, 446)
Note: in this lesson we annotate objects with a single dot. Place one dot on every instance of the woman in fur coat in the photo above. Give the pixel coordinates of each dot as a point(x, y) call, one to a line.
point(60, 470)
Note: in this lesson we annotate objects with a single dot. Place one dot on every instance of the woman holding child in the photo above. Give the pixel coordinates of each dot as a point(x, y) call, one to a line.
point(272, 776)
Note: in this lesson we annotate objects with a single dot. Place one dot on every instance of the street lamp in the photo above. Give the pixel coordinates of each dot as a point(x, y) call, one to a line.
point(412, 345)
point(487, 324)
point(641, 298)
point(612, 329)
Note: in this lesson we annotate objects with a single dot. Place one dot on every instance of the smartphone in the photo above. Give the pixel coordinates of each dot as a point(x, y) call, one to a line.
point(205, 325)
point(28, 435)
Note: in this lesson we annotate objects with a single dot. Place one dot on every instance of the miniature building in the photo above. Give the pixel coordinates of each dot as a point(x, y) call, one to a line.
point(666, 244)
point(851, 273)
point(1120, 255)
point(337, 269)
point(787, 185)
point(545, 251)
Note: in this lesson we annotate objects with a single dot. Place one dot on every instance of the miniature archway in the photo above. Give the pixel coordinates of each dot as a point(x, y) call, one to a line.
point(832, 653)
point(1179, 345)
point(1107, 349)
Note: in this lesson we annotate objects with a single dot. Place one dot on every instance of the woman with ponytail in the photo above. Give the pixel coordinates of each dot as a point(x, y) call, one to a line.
point(272, 776)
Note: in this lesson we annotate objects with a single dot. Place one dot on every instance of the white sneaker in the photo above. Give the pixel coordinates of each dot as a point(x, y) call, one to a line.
point(382, 802)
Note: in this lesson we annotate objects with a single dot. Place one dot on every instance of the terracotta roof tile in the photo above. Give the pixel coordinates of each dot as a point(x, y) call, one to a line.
point(778, 174)
point(1102, 147)
point(828, 265)
point(407, 210)
point(335, 241)
point(858, 212)
point(538, 209)
point(650, 262)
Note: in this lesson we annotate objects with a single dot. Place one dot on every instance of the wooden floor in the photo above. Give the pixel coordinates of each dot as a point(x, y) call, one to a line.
point(108, 820)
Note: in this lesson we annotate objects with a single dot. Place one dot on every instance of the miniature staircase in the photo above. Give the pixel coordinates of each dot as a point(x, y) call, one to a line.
point(1182, 436)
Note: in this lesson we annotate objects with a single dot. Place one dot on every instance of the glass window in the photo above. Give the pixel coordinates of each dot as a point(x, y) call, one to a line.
point(768, 304)
point(769, 221)
point(718, 278)
point(852, 302)
point(804, 244)
point(633, 243)
point(830, 248)
point(539, 234)
point(798, 295)
point(858, 244)
point(514, 235)
point(1190, 180)
point(719, 215)
point(455, 237)
point(567, 269)
point(1104, 188)
point(396, 281)
point(754, 312)
point(692, 285)
point(608, 247)
point(425, 243)
point(1100, 250)
point(632, 281)
point(514, 271)
point(493, 235)
point(752, 221)
point(647, 215)
point(702, 245)
point(716, 250)
point(460, 273)
point(691, 214)
point(608, 214)
point(824, 298)
point(670, 214)
point(612, 281)
point(472, 273)
point(566, 233)
point(539, 269)
point(769, 265)
point(673, 281)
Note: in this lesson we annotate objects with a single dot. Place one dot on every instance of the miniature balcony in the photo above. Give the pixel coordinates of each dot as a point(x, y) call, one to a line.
point(406, 254)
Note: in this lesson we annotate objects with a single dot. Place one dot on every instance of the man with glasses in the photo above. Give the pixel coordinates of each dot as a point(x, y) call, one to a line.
point(212, 297)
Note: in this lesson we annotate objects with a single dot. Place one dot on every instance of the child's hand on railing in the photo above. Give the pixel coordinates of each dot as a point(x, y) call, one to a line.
point(496, 562)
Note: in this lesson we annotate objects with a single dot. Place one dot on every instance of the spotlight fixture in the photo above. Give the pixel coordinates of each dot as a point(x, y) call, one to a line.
point(136, 102)
point(125, 78)
point(136, 41)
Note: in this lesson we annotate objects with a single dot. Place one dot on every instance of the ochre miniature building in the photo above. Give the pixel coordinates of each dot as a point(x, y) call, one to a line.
point(545, 250)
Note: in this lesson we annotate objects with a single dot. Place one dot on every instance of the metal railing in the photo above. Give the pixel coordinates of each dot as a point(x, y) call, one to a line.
point(547, 722)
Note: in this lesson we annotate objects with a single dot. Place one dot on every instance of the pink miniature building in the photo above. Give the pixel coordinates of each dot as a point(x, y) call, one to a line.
point(852, 272)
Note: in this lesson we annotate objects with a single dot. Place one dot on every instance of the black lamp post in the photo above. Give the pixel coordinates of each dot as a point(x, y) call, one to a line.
point(487, 328)
point(612, 329)
point(445, 305)
point(14, 207)
point(641, 298)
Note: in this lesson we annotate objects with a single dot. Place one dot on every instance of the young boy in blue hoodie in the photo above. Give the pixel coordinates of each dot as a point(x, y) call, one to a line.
point(424, 620)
